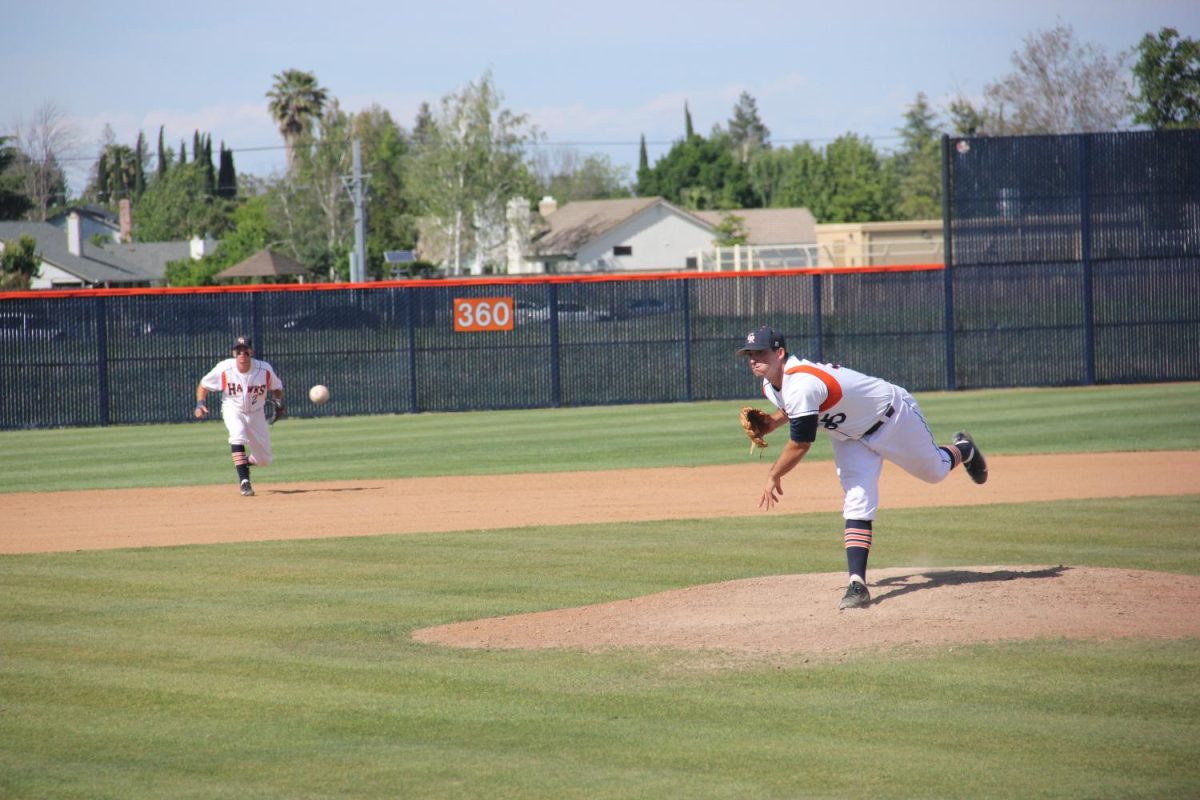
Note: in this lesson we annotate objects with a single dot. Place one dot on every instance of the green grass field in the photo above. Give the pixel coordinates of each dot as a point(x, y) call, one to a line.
point(286, 669)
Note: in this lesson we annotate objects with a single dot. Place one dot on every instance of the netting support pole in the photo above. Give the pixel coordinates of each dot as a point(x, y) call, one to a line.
point(1085, 252)
point(948, 264)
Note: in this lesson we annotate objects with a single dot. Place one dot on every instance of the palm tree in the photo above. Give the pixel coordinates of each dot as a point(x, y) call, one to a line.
point(296, 100)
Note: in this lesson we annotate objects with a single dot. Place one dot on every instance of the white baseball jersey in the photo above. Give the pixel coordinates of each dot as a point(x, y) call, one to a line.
point(848, 402)
point(242, 398)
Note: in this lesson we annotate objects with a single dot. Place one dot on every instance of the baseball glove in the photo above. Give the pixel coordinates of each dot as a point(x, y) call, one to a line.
point(756, 424)
point(273, 410)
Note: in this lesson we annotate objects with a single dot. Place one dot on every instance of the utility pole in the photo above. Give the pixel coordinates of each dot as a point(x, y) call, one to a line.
point(356, 184)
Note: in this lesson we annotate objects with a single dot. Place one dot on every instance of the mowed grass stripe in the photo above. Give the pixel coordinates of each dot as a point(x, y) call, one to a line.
point(1095, 419)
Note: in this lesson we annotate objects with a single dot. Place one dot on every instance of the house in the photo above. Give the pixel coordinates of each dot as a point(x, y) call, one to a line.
point(72, 261)
point(873, 244)
point(644, 234)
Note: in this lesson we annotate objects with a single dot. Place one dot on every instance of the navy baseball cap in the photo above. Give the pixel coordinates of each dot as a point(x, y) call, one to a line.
point(765, 338)
point(243, 341)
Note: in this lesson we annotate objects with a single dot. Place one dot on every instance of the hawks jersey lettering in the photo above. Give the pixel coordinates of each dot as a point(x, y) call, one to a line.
point(244, 392)
point(847, 402)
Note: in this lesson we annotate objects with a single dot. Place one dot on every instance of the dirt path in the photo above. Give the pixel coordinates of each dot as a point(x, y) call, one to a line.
point(90, 520)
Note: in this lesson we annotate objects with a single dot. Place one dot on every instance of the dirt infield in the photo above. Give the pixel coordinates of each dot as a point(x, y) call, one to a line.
point(787, 614)
point(34, 522)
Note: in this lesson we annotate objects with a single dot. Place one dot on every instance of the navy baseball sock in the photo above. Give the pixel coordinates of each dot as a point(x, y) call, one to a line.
point(240, 462)
point(858, 546)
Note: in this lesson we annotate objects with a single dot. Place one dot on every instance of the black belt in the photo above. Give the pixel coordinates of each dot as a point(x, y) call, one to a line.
point(891, 410)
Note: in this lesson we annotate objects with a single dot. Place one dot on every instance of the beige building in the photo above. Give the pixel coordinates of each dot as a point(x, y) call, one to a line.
point(878, 244)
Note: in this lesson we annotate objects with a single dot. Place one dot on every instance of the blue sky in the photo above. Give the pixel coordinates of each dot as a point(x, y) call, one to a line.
point(593, 77)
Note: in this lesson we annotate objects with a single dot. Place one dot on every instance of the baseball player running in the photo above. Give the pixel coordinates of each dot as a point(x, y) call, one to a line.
point(868, 420)
point(244, 383)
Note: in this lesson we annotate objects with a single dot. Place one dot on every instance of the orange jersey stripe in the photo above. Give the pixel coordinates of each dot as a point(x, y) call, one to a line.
point(831, 384)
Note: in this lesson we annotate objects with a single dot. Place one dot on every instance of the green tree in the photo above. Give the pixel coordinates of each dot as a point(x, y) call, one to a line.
point(391, 221)
point(747, 133)
point(139, 166)
point(802, 182)
point(857, 188)
point(731, 230)
point(767, 169)
point(115, 175)
point(699, 174)
point(14, 203)
point(643, 170)
point(918, 164)
point(689, 130)
point(296, 102)
point(210, 174)
point(163, 162)
point(1167, 74)
point(226, 175)
point(19, 263)
point(178, 207)
point(468, 168)
point(966, 119)
point(251, 230)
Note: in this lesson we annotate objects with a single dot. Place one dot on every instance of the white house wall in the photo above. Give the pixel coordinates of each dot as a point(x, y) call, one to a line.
point(51, 276)
point(662, 240)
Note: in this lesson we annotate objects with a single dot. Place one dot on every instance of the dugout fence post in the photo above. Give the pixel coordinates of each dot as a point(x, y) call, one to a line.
point(1085, 252)
point(948, 264)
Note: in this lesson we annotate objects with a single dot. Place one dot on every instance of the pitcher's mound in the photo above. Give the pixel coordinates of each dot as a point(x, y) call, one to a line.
point(912, 608)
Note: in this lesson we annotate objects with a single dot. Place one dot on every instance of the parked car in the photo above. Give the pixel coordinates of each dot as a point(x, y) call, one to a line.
point(334, 318)
point(184, 325)
point(643, 307)
point(23, 326)
point(530, 311)
point(577, 312)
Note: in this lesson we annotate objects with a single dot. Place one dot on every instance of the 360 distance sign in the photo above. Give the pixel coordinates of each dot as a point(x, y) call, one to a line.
point(479, 314)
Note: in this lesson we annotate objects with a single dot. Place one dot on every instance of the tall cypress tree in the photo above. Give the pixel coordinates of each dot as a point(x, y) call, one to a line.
point(102, 177)
point(210, 175)
point(182, 152)
point(197, 146)
point(226, 175)
point(161, 169)
point(139, 170)
point(689, 131)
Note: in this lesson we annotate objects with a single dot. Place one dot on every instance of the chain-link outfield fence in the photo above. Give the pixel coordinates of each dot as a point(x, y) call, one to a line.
point(1072, 260)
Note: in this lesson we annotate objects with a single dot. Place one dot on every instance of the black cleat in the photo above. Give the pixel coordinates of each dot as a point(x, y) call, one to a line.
point(973, 461)
point(247, 489)
point(856, 596)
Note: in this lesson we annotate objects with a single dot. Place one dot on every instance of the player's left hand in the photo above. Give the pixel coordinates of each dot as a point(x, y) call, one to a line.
point(201, 411)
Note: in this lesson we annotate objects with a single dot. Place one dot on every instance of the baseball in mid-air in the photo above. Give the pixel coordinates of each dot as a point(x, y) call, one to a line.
point(319, 394)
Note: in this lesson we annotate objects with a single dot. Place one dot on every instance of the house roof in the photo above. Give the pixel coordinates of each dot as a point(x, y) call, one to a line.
point(98, 213)
point(94, 265)
point(575, 224)
point(265, 262)
point(770, 225)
